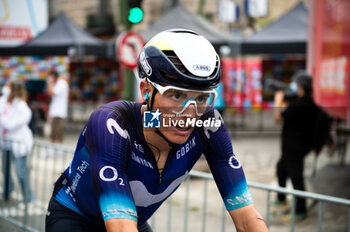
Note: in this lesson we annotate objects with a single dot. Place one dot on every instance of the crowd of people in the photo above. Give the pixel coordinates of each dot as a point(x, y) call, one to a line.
point(16, 135)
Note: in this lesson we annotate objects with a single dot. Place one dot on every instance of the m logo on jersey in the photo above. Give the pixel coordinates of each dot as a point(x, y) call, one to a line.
point(151, 119)
point(111, 123)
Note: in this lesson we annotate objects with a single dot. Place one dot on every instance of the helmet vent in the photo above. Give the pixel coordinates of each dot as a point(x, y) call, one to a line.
point(179, 65)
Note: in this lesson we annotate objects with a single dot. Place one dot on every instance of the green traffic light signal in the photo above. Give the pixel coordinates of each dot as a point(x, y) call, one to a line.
point(135, 15)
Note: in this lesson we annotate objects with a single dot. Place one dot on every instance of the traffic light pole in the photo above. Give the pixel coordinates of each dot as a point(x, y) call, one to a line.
point(128, 75)
point(123, 12)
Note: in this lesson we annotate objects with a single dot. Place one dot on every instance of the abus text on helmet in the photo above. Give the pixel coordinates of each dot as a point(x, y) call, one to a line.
point(145, 65)
point(192, 122)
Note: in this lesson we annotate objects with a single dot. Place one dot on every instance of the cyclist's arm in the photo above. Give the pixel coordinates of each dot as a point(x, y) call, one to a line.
point(121, 225)
point(108, 145)
point(247, 219)
point(229, 177)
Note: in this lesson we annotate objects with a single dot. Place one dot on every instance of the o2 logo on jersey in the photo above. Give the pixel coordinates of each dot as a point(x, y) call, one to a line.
point(234, 163)
point(112, 173)
point(151, 119)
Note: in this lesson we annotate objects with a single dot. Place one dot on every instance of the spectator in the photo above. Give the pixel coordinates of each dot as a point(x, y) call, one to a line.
point(297, 137)
point(15, 116)
point(5, 147)
point(58, 90)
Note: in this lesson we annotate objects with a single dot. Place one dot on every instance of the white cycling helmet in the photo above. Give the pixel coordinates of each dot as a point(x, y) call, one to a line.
point(180, 58)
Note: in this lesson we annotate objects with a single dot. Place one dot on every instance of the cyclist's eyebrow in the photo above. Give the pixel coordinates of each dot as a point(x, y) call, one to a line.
point(203, 95)
point(176, 91)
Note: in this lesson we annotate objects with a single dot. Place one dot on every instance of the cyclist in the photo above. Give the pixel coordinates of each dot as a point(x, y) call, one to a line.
point(126, 165)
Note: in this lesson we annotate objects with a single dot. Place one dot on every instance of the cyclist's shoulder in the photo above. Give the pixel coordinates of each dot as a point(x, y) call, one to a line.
point(211, 122)
point(121, 112)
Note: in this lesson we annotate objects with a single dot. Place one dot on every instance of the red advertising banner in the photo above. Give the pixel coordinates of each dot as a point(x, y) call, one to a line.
point(238, 88)
point(253, 84)
point(329, 55)
point(20, 33)
point(242, 82)
point(227, 79)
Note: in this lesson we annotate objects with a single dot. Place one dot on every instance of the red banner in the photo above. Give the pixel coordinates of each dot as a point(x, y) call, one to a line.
point(329, 55)
point(242, 82)
point(15, 33)
point(253, 84)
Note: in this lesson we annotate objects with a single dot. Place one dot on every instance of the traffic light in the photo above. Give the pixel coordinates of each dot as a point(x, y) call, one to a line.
point(135, 12)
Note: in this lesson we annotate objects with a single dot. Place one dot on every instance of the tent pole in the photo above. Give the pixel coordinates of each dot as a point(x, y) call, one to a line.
point(128, 86)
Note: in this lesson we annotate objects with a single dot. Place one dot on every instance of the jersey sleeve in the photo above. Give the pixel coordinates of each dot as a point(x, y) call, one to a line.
point(108, 145)
point(224, 165)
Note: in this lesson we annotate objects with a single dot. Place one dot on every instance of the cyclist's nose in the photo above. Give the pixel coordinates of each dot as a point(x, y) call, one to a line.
point(190, 110)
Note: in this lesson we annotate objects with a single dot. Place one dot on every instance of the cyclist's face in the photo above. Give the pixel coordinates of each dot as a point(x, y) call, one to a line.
point(175, 101)
point(177, 106)
point(182, 98)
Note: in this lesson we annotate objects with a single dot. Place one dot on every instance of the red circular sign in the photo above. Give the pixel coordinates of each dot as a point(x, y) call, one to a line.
point(129, 46)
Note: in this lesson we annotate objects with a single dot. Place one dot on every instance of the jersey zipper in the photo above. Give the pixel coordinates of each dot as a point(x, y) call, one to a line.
point(154, 162)
point(160, 178)
point(160, 174)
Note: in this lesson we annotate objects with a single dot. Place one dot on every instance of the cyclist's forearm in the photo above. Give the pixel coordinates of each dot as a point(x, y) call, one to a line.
point(254, 225)
point(248, 219)
point(121, 225)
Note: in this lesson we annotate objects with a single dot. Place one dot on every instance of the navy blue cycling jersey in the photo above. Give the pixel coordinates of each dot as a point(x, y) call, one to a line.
point(114, 173)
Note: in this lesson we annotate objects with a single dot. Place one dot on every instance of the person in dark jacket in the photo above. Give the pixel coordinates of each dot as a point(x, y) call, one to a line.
point(297, 135)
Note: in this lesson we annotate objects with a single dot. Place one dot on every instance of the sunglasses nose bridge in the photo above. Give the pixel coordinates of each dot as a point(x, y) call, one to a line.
point(189, 102)
point(190, 105)
point(191, 109)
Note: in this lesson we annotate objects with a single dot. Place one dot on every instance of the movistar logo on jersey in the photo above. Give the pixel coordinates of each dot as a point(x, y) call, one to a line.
point(151, 119)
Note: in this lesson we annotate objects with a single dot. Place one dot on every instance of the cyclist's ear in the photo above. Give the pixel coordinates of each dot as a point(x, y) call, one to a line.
point(145, 89)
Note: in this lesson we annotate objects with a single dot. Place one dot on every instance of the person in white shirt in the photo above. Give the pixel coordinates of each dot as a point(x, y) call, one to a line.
point(58, 89)
point(15, 116)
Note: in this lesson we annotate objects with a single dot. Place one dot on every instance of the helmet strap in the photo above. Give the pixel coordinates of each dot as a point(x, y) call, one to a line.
point(153, 95)
point(157, 131)
point(146, 102)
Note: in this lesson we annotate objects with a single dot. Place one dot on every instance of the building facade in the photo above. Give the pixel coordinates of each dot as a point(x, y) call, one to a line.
point(107, 13)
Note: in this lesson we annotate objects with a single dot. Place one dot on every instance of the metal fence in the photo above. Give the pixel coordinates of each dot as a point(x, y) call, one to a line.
point(195, 206)
point(44, 165)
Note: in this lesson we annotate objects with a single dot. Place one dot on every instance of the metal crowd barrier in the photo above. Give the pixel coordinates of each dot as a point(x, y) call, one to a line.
point(44, 165)
point(193, 207)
